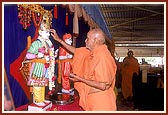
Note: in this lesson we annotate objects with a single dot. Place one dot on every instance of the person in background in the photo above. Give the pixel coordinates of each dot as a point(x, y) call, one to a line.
point(94, 71)
point(129, 66)
point(160, 81)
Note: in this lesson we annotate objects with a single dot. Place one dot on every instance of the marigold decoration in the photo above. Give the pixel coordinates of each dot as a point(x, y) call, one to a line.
point(34, 11)
point(24, 14)
point(34, 8)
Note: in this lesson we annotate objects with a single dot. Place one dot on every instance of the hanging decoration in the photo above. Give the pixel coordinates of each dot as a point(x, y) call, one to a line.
point(36, 17)
point(55, 12)
point(34, 11)
point(66, 20)
point(24, 15)
point(34, 8)
point(75, 21)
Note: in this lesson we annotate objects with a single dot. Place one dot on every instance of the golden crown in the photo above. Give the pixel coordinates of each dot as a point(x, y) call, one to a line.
point(47, 15)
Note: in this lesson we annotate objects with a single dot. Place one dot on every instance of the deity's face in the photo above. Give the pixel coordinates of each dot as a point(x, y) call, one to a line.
point(68, 41)
point(44, 31)
point(67, 38)
point(44, 34)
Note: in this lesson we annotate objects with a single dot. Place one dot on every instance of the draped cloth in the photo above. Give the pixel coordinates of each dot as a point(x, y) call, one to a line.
point(100, 66)
point(80, 12)
point(128, 67)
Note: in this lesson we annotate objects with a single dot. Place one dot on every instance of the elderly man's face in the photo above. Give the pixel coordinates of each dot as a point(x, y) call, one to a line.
point(90, 40)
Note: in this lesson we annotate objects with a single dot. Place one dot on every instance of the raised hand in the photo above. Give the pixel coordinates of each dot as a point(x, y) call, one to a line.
point(55, 35)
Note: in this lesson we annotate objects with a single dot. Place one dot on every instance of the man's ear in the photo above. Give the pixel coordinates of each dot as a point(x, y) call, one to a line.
point(95, 40)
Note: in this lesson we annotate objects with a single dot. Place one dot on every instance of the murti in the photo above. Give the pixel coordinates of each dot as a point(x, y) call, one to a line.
point(41, 54)
point(65, 64)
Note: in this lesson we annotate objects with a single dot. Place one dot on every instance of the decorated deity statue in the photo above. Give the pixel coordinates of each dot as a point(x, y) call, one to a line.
point(65, 58)
point(42, 56)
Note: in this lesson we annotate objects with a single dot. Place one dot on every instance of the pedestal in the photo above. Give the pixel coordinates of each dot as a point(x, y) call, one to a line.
point(40, 106)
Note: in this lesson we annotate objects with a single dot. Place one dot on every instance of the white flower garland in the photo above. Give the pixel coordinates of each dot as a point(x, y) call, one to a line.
point(50, 59)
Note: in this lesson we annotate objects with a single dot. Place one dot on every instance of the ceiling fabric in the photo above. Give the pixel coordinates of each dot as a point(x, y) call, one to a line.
point(94, 12)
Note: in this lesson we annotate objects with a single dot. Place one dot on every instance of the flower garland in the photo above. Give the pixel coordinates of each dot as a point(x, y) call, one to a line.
point(24, 15)
point(49, 55)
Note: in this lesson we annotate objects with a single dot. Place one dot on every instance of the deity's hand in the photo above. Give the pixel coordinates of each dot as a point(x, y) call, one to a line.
point(41, 49)
point(56, 53)
point(47, 58)
point(41, 52)
point(69, 56)
point(40, 55)
point(55, 35)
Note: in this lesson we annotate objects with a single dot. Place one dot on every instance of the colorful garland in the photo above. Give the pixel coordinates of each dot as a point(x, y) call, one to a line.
point(24, 15)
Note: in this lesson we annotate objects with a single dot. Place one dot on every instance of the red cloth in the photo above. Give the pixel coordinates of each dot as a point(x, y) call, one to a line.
point(16, 64)
point(66, 21)
point(69, 107)
point(55, 12)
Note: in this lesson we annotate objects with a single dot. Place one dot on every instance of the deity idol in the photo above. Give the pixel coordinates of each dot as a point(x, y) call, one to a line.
point(42, 55)
point(65, 58)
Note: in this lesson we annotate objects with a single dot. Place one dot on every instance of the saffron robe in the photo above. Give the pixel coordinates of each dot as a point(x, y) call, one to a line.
point(129, 66)
point(100, 66)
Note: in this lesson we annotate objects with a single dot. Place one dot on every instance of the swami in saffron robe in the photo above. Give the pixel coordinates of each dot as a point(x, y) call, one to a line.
point(100, 66)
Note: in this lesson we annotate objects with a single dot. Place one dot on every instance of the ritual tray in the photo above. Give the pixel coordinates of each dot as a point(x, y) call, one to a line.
point(61, 98)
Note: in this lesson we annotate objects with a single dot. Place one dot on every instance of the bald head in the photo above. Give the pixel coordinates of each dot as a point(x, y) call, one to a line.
point(99, 35)
point(94, 39)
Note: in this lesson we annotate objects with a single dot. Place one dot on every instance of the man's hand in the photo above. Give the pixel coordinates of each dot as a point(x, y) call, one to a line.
point(96, 85)
point(73, 77)
point(55, 35)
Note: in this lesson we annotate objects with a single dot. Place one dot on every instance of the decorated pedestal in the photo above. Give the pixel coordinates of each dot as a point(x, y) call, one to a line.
point(40, 106)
